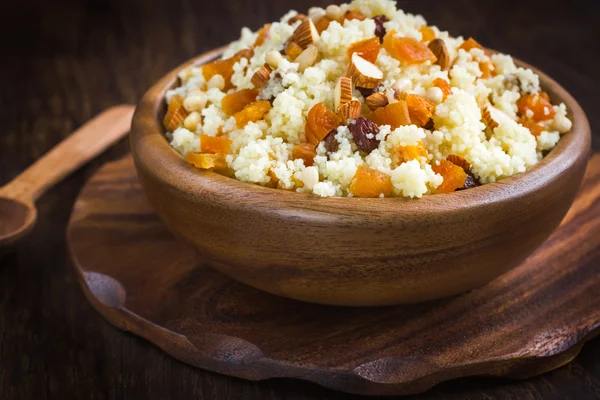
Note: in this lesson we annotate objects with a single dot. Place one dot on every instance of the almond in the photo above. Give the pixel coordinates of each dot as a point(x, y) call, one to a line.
point(460, 161)
point(262, 76)
point(487, 118)
point(343, 91)
point(305, 34)
point(176, 114)
point(296, 18)
point(438, 48)
point(364, 74)
point(307, 58)
point(376, 100)
point(349, 110)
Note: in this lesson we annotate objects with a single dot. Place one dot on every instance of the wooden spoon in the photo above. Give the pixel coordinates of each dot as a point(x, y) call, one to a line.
point(17, 210)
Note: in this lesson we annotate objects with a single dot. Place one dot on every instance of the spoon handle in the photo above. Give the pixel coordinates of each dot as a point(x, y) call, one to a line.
point(87, 142)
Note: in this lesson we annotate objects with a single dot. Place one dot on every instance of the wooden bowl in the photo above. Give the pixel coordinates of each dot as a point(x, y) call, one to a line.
point(353, 251)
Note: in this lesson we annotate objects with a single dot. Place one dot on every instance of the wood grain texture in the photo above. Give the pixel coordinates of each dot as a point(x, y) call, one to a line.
point(65, 61)
point(144, 280)
point(357, 251)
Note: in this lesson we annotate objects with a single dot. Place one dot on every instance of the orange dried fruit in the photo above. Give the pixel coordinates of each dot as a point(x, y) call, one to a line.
point(263, 35)
point(214, 144)
point(207, 161)
point(323, 23)
point(252, 113)
point(306, 152)
point(420, 110)
point(293, 50)
point(321, 120)
point(394, 115)
point(461, 162)
point(444, 85)
point(539, 106)
point(487, 69)
point(469, 44)
point(175, 115)
point(368, 182)
point(535, 128)
point(408, 153)
point(406, 49)
point(236, 101)
point(427, 33)
point(354, 14)
point(367, 49)
point(454, 176)
point(223, 68)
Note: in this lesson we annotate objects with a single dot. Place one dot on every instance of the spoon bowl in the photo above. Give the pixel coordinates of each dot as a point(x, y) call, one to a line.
point(16, 220)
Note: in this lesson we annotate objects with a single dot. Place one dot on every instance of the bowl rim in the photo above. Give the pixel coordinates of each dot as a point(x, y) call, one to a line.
point(153, 153)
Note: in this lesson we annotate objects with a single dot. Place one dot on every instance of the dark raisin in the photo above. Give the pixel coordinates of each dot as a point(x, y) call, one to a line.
point(366, 92)
point(429, 125)
point(471, 182)
point(379, 28)
point(364, 132)
point(331, 145)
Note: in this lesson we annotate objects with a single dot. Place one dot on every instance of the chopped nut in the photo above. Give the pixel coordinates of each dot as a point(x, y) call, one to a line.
point(273, 58)
point(349, 110)
point(343, 91)
point(305, 34)
point(377, 100)
point(262, 76)
point(438, 48)
point(175, 115)
point(460, 161)
point(364, 73)
point(307, 58)
point(216, 82)
point(192, 120)
point(487, 118)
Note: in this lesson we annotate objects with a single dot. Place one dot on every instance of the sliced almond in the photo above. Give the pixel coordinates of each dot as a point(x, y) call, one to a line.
point(305, 34)
point(176, 114)
point(460, 161)
point(296, 18)
point(377, 100)
point(488, 119)
point(343, 91)
point(262, 76)
point(307, 58)
point(364, 74)
point(349, 110)
point(438, 48)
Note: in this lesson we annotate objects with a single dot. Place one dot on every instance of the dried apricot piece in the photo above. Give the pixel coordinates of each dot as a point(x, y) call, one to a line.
point(321, 120)
point(368, 182)
point(538, 105)
point(367, 49)
point(535, 128)
point(469, 44)
point(323, 23)
point(454, 176)
point(306, 152)
point(354, 14)
point(427, 33)
point(214, 144)
point(223, 68)
point(460, 161)
point(487, 70)
point(207, 161)
point(263, 35)
point(175, 115)
point(236, 101)
point(394, 115)
point(408, 153)
point(420, 110)
point(293, 50)
point(444, 85)
point(406, 49)
point(252, 113)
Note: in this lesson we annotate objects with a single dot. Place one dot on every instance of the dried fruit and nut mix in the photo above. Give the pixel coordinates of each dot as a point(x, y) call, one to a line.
point(362, 100)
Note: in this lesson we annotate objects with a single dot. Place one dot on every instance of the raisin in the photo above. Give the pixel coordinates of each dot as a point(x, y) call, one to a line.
point(331, 144)
point(364, 132)
point(366, 92)
point(470, 182)
point(379, 28)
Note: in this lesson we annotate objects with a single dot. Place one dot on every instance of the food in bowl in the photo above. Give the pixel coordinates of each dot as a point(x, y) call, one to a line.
point(362, 100)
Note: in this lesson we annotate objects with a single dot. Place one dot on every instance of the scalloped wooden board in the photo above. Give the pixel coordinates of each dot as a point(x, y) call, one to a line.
point(142, 279)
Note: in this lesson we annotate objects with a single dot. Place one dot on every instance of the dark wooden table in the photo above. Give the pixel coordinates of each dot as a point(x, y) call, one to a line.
point(64, 61)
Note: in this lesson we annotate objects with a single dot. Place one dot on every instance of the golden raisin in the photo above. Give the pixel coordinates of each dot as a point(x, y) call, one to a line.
point(394, 115)
point(236, 101)
point(320, 122)
point(406, 49)
point(539, 106)
point(368, 182)
point(427, 33)
point(454, 176)
point(252, 113)
point(293, 50)
point(323, 23)
point(486, 69)
point(214, 144)
point(207, 161)
point(306, 152)
point(420, 110)
point(367, 49)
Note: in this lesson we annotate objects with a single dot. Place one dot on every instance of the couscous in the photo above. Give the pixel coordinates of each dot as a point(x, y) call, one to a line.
point(361, 100)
